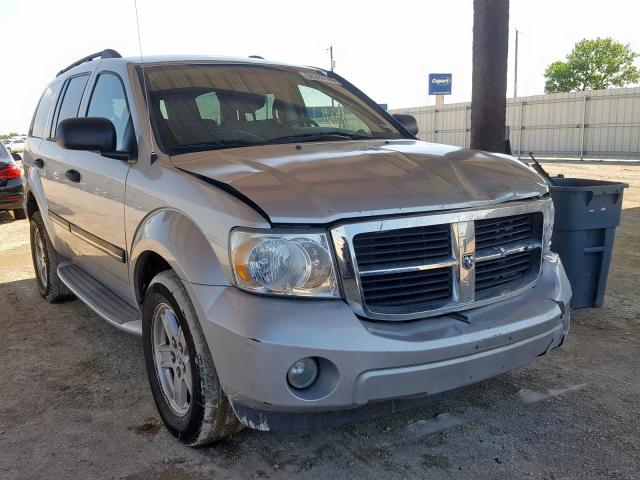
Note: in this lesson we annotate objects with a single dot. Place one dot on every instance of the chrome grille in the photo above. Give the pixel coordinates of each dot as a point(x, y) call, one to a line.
point(494, 232)
point(408, 246)
point(426, 288)
point(413, 267)
point(495, 273)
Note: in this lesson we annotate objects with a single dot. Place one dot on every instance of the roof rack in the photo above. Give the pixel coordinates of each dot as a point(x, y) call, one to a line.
point(108, 53)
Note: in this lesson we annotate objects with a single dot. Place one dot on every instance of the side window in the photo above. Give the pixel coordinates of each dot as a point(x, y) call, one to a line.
point(329, 112)
point(71, 101)
point(39, 123)
point(266, 112)
point(209, 106)
point(108, 100)
point(163, 110)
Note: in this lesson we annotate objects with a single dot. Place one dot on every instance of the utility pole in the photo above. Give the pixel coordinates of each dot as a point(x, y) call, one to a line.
point(489, 89)
point(515, 75)
point(333, 63)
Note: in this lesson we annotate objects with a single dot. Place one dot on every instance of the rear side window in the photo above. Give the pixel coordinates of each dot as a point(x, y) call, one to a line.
point(71, 100)
point(39, 124)
point(109, 101)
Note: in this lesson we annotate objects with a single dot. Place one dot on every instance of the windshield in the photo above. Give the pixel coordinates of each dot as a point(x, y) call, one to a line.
point(206, 107)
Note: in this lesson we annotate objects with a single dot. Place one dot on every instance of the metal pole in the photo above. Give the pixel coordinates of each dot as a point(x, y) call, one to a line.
point(464, 131)
point(520, 131)
point(332, 67)
point(435, 112)
point(515, 75)
point(584, 112)
point(333, 64)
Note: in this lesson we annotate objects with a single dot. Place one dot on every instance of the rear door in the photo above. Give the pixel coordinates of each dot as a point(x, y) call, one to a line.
point(96, 199)
point(48, 161)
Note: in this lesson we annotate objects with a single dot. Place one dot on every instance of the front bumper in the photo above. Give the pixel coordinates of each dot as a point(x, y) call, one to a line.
point(255, 339)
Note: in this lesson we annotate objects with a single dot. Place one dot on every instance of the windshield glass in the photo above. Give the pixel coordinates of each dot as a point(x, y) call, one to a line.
point(206, 107)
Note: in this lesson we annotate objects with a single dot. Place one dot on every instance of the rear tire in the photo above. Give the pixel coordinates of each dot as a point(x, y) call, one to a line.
point(182, 376)
point(19, 214)
point(45, 263)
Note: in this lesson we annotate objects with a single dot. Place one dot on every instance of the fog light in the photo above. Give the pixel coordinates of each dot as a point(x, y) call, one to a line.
point(303, 373)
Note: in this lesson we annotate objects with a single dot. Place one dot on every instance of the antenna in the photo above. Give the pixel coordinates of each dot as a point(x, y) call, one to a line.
point(154, 156)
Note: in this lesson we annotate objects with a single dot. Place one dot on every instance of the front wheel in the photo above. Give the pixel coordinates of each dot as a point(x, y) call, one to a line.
point(183, 379)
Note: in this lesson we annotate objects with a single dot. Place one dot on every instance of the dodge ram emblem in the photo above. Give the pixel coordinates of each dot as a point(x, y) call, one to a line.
point(467, 261)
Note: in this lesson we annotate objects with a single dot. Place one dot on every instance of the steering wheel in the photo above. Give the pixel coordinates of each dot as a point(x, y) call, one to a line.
point(303, 122)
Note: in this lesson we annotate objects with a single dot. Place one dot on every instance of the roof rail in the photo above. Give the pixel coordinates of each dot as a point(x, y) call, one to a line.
point(108, 53)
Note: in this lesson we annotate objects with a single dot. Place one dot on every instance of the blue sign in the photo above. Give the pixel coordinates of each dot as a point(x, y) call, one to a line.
point(439, 84)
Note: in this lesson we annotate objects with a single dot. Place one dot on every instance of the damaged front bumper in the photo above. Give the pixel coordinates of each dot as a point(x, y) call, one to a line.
point(367, 369)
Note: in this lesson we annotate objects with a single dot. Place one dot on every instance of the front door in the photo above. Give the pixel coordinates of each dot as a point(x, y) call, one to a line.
point(97, 192)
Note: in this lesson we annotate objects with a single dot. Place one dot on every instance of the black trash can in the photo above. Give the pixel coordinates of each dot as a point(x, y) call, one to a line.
point(587, 213)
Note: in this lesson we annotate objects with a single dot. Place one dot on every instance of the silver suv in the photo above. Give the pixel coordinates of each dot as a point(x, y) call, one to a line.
point(292, 255)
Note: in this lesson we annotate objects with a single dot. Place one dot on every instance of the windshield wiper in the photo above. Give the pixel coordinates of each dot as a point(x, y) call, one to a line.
point(200, 146)
point(315, 137)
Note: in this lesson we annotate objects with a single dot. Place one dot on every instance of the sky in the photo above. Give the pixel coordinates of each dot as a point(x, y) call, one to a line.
point(385, 48)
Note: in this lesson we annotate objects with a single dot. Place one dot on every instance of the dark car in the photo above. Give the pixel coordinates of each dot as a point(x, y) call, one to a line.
point(11, 193)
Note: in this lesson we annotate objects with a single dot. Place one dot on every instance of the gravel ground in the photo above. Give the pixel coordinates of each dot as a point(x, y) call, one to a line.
point(74, 399)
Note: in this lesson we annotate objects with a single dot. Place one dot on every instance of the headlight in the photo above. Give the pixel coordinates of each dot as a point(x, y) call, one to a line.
point(296, 264)
point(549, 215)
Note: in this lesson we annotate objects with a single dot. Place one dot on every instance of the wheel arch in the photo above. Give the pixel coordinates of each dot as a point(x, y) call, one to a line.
point(168, 238)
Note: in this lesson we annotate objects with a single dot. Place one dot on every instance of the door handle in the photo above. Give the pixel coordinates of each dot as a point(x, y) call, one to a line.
point(73, 175)
point(38, 162)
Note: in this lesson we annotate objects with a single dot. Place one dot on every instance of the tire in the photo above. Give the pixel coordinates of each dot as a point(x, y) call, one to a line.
point(203, 414)
point(49, 284)
point(19, 214)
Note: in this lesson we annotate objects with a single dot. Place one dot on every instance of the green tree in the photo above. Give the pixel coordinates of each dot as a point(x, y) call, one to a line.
point(593, 65)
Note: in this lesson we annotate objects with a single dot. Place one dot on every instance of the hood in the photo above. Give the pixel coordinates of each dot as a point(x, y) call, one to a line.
point(328, 181)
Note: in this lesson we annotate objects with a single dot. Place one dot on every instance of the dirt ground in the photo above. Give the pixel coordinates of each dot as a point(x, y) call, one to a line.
point(74, 399)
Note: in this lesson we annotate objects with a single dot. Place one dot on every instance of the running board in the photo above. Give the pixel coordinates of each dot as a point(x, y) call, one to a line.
point(100, 299)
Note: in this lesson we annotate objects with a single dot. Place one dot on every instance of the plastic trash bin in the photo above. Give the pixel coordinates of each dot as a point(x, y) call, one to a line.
point(587, 213)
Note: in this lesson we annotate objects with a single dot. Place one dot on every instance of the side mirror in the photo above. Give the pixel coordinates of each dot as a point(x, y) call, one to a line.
point(409, 122)
point(87, 133)
point(16, 156)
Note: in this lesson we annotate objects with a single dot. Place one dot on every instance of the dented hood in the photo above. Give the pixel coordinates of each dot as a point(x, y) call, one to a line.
point(328, 181)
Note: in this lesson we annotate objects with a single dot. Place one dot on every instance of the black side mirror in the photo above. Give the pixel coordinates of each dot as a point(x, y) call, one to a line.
point(87, 133)
point(16, 156)
point(409, 122)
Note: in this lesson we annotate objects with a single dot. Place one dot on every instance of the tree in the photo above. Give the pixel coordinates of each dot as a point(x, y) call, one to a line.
point(593, 65)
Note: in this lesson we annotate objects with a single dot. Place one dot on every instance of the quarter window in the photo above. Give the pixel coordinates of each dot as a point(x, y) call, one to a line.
point(109, 101)
point(39, 124)
point(209, 107)
point(328, 112)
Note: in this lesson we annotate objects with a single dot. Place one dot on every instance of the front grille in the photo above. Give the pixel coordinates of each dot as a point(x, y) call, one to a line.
point(495, 232)
point(407, 246)
point(501, 271)
point(425, 288)
point(413, 267)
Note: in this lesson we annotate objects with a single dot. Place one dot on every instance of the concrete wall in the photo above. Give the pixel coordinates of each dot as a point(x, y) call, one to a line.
point(594, 124)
